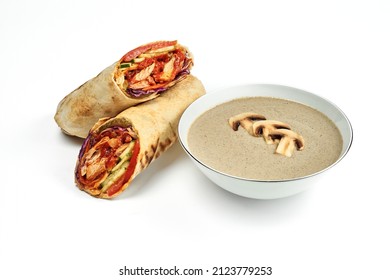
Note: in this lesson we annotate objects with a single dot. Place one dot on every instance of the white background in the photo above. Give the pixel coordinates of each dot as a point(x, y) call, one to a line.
point(172, 215)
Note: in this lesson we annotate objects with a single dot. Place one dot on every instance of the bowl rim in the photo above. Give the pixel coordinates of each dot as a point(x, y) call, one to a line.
point(221, 89)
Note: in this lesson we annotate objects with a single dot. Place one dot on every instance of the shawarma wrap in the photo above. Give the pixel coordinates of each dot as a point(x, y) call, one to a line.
point(117, 149)
point(140, 75)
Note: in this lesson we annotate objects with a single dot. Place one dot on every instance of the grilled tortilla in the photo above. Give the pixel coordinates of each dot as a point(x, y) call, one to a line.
point(118, 149)
point(140, 75)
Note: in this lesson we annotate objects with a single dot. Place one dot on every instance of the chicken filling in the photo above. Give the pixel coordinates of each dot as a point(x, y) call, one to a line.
point(152, 68)
point(107, 160)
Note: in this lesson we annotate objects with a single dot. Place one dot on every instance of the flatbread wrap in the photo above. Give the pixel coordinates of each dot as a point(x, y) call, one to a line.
point(117, 149)
point(140, 75)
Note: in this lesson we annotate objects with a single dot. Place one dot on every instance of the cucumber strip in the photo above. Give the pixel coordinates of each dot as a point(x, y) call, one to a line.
point(163, 49)
point(125, 155)
point(114, 176)
point(124, 65)
point(138, 60)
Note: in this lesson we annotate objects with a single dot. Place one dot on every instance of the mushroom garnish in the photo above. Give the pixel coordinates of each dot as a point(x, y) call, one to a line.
point(264, 127)
point(272, 131)
point(288, 141)
point(246, 120)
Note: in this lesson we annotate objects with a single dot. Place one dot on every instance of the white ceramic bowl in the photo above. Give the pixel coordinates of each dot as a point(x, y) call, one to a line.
point(257, 188)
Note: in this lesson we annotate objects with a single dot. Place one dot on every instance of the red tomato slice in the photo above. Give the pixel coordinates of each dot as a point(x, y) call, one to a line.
point(151, 46)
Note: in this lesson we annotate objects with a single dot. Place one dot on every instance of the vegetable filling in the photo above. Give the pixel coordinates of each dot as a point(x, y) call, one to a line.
point(107, 160)
point(152, 68)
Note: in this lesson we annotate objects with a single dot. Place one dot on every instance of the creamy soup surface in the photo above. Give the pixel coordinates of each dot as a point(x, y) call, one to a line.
point(216, 144)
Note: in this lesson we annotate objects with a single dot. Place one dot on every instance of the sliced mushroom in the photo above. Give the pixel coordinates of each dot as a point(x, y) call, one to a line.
point(245, 120)
point(264, 128)
point(288, 141)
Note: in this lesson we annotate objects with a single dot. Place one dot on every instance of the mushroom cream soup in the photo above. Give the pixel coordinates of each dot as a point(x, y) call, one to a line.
point(232, 148)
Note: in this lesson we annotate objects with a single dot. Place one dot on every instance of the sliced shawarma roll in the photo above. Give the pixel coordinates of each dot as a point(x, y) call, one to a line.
point(140, 75)
point(117, 149)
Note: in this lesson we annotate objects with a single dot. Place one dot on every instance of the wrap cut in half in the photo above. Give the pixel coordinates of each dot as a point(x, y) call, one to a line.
point(140, 75)
point(117, 149)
